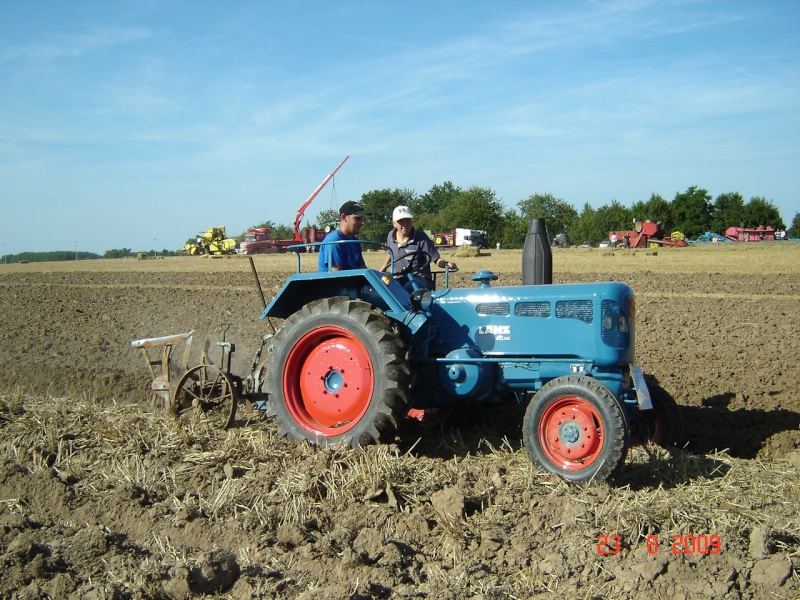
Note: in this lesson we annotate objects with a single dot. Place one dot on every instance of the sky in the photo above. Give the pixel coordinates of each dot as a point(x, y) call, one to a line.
point(137, 124)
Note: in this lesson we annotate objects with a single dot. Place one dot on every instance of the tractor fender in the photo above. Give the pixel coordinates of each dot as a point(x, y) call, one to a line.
point(374, 287)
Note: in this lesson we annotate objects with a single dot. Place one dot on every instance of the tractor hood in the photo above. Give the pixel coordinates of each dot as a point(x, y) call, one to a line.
point(588, 321)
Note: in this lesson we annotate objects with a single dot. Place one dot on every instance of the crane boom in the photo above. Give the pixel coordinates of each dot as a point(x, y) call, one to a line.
point(301, 212)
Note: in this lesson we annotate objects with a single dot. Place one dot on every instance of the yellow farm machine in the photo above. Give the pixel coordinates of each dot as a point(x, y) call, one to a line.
point(212, 241)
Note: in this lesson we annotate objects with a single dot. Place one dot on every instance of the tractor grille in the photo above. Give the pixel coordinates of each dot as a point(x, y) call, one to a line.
point(493, 308)
point(575, 309)
point(615, 330)
point(532, 309)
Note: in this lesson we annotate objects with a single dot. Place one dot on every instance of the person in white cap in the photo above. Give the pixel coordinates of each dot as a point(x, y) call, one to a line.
point(405, 240)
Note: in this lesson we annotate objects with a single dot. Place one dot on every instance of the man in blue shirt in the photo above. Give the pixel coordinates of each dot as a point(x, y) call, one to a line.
point(342, 256)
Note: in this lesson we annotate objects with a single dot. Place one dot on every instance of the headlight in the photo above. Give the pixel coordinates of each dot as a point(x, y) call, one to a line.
point(421, 300)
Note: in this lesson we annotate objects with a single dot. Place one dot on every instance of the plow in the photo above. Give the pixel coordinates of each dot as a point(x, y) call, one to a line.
point(356, 354)
point(204, 390)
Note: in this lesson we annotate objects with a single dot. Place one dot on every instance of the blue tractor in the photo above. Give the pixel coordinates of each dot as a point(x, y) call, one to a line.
point(356, 352)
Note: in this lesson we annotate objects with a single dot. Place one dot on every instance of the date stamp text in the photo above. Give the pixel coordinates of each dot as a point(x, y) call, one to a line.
point(611, 544)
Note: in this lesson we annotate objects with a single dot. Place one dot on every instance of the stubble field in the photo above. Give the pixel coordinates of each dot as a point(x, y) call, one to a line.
point(103, 495)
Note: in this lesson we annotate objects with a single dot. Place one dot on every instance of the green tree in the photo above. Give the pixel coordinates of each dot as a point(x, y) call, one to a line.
point(434, 200)
point(586, 228)
point(474, 208)
point(277, 232)
point(327, 218)
point(656, 210)
point(613, 217)
point(727, 211)
point(558, 215)
point(794, 229)
point(51, 256)
point(283, 232)
point(760, 211)
point(692, 212)
point(118, 253)
point(594, 225)
point(381, 203)
point(514, 230)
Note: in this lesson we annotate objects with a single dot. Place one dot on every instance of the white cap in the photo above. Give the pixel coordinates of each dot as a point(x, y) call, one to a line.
point(401, 212)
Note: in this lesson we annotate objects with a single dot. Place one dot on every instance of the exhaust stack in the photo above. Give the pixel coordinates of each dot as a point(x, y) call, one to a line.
point(537, 260)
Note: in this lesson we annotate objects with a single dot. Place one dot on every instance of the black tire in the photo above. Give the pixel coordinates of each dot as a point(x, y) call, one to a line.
point(576, 428)
point(337, 374)
point(663, 425)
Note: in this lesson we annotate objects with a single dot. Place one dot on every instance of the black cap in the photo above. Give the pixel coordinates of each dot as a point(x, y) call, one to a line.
point(353, 208)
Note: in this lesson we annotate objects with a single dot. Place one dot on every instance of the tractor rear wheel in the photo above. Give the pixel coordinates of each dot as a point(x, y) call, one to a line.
point(663, 425)
point(337, 373)
point(576, 428)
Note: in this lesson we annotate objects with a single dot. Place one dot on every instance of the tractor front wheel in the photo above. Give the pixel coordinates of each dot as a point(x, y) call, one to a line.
point(337, 374)
point(576, 428)
point(662, 425)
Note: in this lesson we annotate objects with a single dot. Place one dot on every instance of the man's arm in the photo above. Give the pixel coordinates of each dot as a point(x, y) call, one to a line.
point(436, 258)
point(335, 260)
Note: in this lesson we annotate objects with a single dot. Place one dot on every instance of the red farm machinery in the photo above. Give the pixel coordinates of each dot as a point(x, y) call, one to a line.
point(751, 234)
point(260, 240)
point(647, 234)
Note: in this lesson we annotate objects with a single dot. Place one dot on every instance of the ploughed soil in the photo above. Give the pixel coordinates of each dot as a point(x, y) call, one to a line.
point(104, 495)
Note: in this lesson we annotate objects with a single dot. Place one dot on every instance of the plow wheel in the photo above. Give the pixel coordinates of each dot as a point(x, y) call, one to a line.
point(576, 428)
point(338, 374)
point(208, 392)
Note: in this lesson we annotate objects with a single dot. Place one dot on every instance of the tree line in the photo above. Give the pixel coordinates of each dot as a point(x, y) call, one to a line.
point(445, 207)
point(65, 255)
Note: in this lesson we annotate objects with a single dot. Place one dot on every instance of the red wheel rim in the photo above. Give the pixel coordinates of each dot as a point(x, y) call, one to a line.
point(571, 433)
point(328, 381)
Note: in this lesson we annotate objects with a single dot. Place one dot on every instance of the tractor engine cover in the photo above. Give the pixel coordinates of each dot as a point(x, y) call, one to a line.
point(465, 378)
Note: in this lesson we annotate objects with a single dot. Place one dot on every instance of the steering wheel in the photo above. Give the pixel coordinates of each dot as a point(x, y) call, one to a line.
point(412, 266)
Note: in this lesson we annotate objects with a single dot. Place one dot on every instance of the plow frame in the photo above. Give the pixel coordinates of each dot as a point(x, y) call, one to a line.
point(211, 388)
point(158, 364)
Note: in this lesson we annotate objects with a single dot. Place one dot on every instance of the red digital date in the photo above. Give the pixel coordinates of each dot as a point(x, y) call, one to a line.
point(608, 544)
point(696, 544)
point(679, 544)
